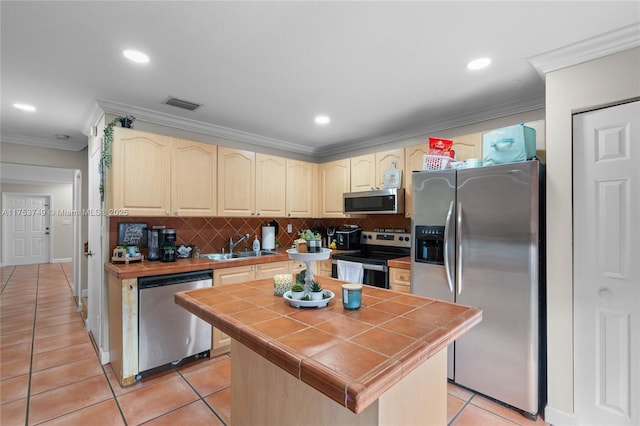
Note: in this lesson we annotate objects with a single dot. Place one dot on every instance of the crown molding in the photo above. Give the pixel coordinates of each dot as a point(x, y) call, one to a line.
point(93, 116)
point(498, 111)
point(196, 126)
point(67, 145)
point(615, 41)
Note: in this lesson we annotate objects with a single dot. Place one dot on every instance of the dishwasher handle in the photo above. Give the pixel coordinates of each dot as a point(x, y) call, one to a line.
point(170, 279)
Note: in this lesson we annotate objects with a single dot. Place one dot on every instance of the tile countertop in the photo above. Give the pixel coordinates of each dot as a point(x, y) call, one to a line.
point(148, 268)
point(352, 357)
point(402, 263)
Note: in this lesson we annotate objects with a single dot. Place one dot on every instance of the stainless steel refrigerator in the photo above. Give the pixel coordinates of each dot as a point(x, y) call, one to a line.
point(477, 241)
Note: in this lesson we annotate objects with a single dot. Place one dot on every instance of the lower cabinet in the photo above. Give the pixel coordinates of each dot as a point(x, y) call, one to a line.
point(220, 342)
point(322, 268)
point(400, 279)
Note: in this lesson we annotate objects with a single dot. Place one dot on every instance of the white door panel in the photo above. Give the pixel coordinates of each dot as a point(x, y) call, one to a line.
point(606, 161)
point(26, 229)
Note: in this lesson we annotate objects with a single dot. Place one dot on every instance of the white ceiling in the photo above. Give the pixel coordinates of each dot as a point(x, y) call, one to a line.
point(263, 70)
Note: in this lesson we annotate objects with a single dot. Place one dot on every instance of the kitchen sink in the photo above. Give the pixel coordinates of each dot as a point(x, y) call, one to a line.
point(237, 255)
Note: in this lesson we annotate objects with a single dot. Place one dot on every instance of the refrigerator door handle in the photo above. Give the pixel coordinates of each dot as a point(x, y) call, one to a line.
point(447, 265)
point(459, 248)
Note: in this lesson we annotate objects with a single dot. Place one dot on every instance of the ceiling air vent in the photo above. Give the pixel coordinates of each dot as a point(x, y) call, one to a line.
point(181, 104)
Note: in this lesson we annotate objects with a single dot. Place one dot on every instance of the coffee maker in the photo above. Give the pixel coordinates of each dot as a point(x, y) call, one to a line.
point(153, 242)
point(167, 245)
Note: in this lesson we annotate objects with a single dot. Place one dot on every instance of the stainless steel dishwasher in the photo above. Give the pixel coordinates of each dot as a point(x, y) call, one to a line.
point(166, 331)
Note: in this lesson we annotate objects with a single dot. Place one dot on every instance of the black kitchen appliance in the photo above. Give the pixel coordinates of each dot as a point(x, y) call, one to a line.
point(331, 235)
point(167, 245)
point(376, 248)
point(348, 238)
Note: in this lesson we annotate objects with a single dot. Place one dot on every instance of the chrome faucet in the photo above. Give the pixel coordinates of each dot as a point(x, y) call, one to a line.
point(232, 244)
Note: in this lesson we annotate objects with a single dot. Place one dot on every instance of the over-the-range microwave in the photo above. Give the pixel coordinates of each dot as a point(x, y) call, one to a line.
point(381, 201)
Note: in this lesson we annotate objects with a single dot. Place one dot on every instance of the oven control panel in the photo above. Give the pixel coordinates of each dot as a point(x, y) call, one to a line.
point(391, 239)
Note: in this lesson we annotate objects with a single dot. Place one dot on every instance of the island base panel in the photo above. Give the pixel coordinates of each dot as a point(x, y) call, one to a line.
point(265, 394)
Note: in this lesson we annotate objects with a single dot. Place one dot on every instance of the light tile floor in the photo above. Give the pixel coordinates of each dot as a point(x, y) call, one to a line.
point(50, 373)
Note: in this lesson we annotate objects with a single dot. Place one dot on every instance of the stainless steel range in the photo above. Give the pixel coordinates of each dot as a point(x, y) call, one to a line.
point(377, 247)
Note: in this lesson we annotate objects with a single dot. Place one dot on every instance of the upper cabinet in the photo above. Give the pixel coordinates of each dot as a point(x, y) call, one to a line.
point(149, 177)
point(194, 193)
point(301, 189)
point(270, 185)
point(413, 159)
point(335, 179)
point(468, 146)
point(250, 184)
point(367, 171)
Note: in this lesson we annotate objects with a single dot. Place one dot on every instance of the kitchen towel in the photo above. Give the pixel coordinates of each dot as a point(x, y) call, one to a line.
point(350, 271)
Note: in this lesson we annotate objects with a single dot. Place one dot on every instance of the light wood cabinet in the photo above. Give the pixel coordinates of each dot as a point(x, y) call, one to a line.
point(468, 146)
point(301, 189)
point(221, 342)
point(270, 185)
point(367, 171)
point(414, 159)
point(139, 180)
point(250, 184)
point(400, 279)
point(322, 268)
point(193, 178)
point(153, 175)
point(236, 182)
point(335, 179)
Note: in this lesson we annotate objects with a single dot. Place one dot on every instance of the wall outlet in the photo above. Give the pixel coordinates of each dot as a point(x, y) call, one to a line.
point(289, 228)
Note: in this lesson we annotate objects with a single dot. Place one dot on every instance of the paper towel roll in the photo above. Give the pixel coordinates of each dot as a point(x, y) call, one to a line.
point(268, 237)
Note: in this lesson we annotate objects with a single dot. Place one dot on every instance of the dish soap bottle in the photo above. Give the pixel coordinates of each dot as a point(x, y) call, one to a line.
point(256, 245)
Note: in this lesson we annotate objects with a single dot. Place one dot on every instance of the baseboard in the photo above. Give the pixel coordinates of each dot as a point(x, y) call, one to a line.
point(62, 260)
point(104, 357)
point(559, 418)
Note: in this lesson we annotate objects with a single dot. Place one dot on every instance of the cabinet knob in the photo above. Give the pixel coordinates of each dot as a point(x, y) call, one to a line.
point(176, 212)
point(167, 212)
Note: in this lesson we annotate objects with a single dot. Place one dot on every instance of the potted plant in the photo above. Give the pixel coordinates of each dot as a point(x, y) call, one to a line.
point(314, 240)
point(316, 290)
point(297, 291)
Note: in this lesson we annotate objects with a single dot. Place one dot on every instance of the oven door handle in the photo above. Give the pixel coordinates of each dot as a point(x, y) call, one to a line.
point(366, 266)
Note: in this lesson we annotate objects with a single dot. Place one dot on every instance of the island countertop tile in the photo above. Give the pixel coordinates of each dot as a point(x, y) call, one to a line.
point(352, 357)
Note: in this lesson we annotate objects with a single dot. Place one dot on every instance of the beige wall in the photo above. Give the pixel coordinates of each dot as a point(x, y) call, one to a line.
point(74, 160)
point(582, 87)
point(61, 226)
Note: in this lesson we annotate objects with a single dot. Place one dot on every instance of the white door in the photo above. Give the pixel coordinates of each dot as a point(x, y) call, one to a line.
point(95, 269)
point(26, 229)
point(606, 175)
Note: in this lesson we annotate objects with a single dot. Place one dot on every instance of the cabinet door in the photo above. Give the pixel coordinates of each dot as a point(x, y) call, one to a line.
point(139, 181)
point(363, 173)
point(334, 181)
point(269, 270)
point(270, 185)
point(301, 188)
point(400, 279)
point(221, 342)
point(236, 182)
point(413, 158)
point(385, 161)
point(468, 146)
point(322, 268)
point(194, 176)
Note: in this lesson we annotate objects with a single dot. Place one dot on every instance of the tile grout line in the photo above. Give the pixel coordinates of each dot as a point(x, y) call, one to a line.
point(200, 397)
point(33, 342)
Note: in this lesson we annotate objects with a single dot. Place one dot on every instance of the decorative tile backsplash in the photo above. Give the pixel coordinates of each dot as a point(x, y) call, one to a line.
point(211, 234)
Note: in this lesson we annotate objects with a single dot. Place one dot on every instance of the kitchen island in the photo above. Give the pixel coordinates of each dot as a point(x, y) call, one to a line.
point(382, 364)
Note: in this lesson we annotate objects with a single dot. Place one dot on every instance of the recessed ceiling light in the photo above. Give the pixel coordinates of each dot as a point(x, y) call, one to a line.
point(479, 63)
point(62, 137)
point(135, 56)
point(25, 107)
point(322, 119)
